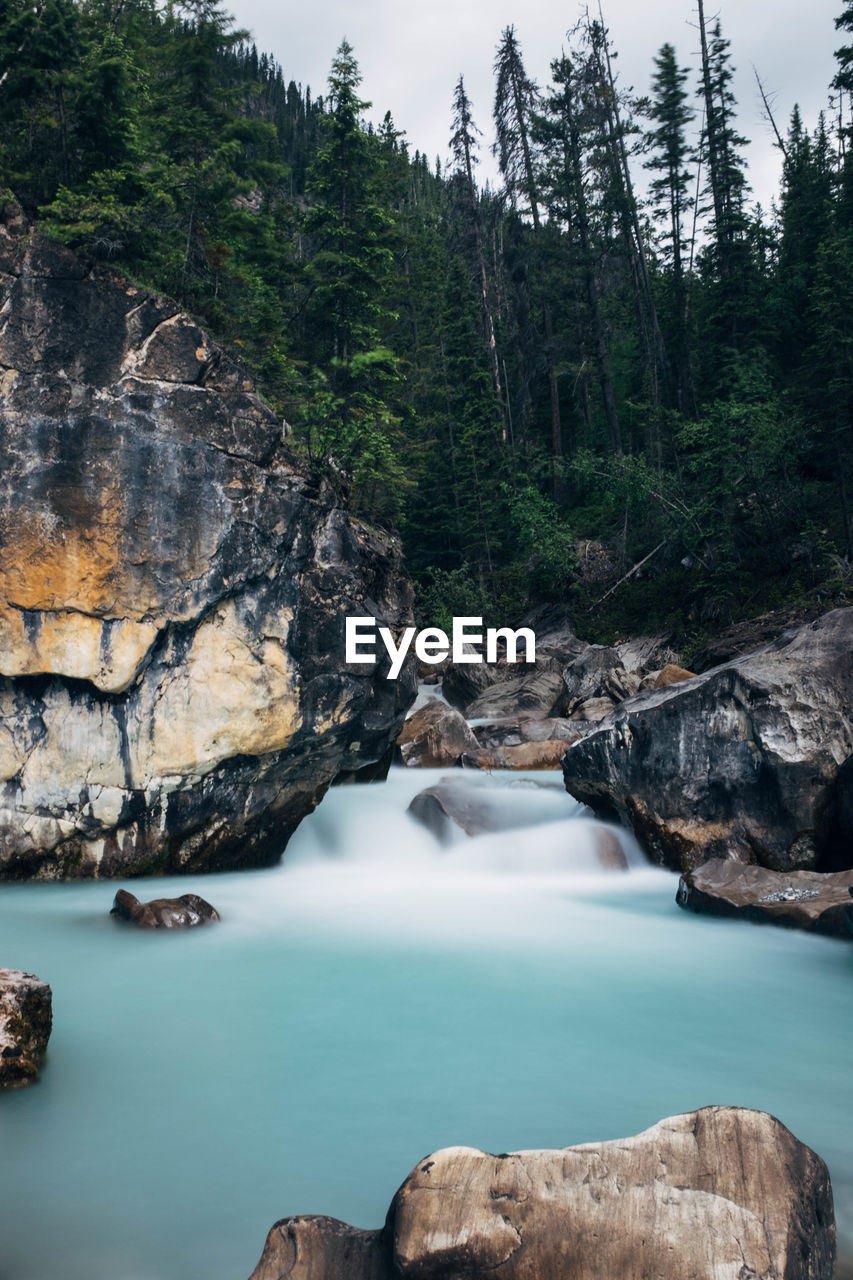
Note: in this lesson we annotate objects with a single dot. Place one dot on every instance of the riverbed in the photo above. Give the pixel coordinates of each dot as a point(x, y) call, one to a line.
point(373, 998)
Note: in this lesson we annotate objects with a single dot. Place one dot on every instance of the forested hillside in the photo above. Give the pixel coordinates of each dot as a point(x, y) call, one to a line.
point(615, 358)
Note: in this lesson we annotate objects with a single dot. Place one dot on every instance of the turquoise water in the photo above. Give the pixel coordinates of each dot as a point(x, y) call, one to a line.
point(375, 998)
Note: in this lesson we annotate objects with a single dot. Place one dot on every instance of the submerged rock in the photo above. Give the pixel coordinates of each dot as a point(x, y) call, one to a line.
point(164, 913)
point(26, 1016)
point(718, 1194)
point(173, 588)
point(434, 737)
point(741, 762)
point(811, 900)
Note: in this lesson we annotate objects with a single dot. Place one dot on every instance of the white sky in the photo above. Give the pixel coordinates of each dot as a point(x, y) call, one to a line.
point(411, 53)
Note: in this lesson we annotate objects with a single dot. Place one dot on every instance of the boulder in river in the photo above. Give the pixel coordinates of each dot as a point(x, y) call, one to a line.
point(185, 912)
point(741, 762)
point(813, 900)
point(173, 590)
point(434, 737)
point(536, 695)
point(719, 1194)
point(26, 1016)
point(313, 1247)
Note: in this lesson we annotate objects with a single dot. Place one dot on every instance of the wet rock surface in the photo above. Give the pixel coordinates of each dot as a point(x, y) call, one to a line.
point(25, 1024)
point(819, 902)
point(185, 912)
point(173, 588)
point(717, 1194)
point(742, 762)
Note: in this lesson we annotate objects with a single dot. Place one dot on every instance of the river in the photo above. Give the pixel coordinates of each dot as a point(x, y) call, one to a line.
point(373, 998)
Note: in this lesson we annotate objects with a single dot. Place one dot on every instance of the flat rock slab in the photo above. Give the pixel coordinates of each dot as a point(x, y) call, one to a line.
point(810, 900)
point(185, 912)
point(25, 1023)
point(718, 1194)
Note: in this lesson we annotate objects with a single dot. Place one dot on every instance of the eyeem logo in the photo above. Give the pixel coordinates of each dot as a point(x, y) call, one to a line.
point(433, 645)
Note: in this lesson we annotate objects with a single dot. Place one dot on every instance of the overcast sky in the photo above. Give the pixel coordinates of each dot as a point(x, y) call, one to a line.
point(411, 53)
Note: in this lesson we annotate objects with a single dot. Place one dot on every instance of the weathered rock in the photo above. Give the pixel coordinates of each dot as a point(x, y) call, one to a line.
point(25, 1023)
point(538, 695)
point(516, 731)
point(319, 1248)
point(719, 1194)
point(642, 654)
point(164, 913)
point(819, 902)
point(544, 754)
point(740, 762)
point(596, 674)
point(668, 675)
point(434, 737)
point(592, 710)
point(173, 588)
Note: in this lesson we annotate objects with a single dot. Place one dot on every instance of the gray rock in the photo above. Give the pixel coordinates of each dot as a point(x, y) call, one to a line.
point(434, 737)
point(173, 589)
point(741, 762)
point(185, 912)
point(536, 696)
point(26, 1016)
point(819, 902)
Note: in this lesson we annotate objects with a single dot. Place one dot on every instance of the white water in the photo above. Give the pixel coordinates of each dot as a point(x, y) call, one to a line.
point(376, 997)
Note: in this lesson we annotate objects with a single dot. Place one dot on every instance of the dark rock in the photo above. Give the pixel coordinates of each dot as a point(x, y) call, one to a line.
point(25, 1023)
point(173, 589)
point(596, 674)
point(819, 902)
point(164, 913)
point(718, 1194)
point(434, 737)
point(460, 802)
point(319, 1248)
point(536, 696)
point(740, 762)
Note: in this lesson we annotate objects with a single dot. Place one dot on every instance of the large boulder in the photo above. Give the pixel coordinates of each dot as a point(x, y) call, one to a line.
point(25, 1022)
point(718, 1194)
point(813, 900)
point(434, 737)
point(173, 589)
point(741, 762)
point(186, 912)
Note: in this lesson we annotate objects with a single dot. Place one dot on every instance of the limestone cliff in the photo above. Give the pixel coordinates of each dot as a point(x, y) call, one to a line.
point(173, 587)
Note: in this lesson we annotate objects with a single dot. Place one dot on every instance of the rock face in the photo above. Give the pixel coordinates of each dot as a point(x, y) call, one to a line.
point(434, 737)
point(185, 912)
point(819, 902)
point(741, 762)
point(719, 1194)
point(173, 587)
point(25, 1023)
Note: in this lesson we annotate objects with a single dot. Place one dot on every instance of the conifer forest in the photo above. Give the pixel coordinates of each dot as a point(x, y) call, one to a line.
point(610, 374)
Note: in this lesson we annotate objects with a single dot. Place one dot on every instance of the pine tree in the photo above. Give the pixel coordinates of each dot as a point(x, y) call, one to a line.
point(672, 199)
